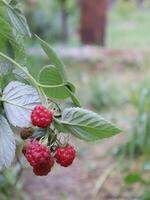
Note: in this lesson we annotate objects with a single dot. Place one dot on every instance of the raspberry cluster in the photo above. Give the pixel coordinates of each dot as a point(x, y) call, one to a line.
point(42, 157)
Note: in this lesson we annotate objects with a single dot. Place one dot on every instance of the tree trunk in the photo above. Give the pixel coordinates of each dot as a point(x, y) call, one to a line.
point(93, 21)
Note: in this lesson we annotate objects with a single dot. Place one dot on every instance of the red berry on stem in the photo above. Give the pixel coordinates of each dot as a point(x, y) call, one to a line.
point(43, 169)
point(39, 157)
point(65, 155)
point(41, 117)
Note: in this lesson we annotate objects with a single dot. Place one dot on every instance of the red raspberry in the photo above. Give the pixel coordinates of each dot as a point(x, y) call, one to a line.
point(43, 169)
point(41, 117)
point(65, 155)
point(39, 157)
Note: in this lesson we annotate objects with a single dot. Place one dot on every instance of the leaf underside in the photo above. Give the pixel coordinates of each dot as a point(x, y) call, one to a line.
point(7, 144)
point(20, 101)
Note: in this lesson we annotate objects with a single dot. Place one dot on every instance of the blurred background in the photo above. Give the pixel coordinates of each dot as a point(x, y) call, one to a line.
point(105, 45)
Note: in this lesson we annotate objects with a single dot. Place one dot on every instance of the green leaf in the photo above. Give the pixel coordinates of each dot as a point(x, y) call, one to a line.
point(86, 125)
point(133, 178)
point(52, 83)
point(53, 58)
point(11, 40)
point(6, 79)
point(74, 99)
point(17, 19)
point(146, 195)
point(6, 37)
point(69, 87)
point(6, 30)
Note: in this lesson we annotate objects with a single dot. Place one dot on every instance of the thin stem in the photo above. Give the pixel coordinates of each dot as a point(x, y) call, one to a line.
point(4, 2)
point(19, 67)
point(27, 74)
point(50, 86)
point(43, 97)
point(20, 170)
point(37, 85)
point(57, 121)
point(32, 80)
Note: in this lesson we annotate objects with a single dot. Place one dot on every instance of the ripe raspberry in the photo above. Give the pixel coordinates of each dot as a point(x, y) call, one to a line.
point(43, 169)
point(41, 117)
point(65, 155)
point(39, 157)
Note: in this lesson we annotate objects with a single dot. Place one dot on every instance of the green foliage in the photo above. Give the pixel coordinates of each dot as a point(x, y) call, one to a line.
point(141, 128)
point(13, 31)
point(133, 178)
point(10, 187)
point(125, 7)
point(52, 83)
point(17, 19)
point(86, 125)
point(137, 177)
point(53, 58)
point(105, 95)
point(139, 138)
point(122, 28)
point(60, 88)
point(20, 92)
point(146, 195)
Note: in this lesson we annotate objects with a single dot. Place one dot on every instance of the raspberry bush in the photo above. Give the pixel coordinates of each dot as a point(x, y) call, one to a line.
point(34, 105)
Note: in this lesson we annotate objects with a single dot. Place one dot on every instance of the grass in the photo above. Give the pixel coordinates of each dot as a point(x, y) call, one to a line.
point(130, 29)
point(139, 135)
point(104, 96)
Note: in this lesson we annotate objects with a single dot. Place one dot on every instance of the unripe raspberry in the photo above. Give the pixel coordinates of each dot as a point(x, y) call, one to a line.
point(39, 157)
point(41, 117)
point(65, 155)
point(26, 132)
